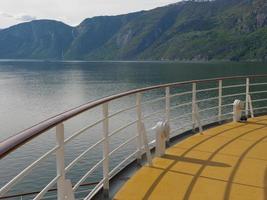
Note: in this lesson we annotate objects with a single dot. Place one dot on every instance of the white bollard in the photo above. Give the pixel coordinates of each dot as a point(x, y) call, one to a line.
point(237, 110)
point(162, 135)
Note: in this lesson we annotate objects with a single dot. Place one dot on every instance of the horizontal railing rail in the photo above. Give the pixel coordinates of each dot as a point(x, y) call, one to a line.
point(172, 108)
point(37, 192)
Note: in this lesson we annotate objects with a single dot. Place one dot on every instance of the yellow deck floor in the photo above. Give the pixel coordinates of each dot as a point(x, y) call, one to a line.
point(226, 162)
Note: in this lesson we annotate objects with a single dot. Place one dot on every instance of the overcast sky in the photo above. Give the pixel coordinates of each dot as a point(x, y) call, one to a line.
point(69, 11)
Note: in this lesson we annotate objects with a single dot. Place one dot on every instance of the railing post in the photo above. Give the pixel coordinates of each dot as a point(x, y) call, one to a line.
point(64, 187)
point(142, 137)
point(105, 150)
point(247, 96)
point(194, 90)
point(197, 118)
point(167, 108)
point(250, 106)
point(146, 146)
point(220, 101)
point(139, 127)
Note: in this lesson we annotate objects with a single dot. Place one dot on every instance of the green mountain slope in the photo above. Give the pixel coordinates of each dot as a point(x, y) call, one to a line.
point(36, 39)
point(96, 32)
point(189, 30)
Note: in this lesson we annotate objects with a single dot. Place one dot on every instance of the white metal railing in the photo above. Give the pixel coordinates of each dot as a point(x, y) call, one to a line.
point(169, 109)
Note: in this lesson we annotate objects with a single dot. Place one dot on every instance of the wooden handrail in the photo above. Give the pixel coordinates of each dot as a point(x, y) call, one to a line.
point(28, 134)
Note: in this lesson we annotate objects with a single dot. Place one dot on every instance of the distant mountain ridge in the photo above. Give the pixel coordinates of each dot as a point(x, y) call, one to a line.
point(188, 30)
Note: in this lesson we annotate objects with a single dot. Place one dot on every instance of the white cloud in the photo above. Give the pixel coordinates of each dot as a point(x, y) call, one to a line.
point(25, 17)
point(2, 14)
point(9, 19)
point(69, 11)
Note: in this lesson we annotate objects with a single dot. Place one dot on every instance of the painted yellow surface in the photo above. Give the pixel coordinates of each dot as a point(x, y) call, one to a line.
point(226, 162)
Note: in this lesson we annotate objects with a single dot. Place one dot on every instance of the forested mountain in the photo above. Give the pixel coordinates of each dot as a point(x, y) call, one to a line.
point(188, 30)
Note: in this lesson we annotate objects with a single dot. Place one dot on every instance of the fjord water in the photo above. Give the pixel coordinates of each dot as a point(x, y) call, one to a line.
point(31, 91)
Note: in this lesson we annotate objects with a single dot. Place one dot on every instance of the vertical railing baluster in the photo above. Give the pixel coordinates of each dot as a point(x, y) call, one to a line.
point(194, 88)
point(60, 161)
point(167, 108)
point(146, 145)
point(64, 188)
point(106, 149)
point(220, 101)
point(139, 126)
point(250, 106)
point(247, 96)
point(197, 118)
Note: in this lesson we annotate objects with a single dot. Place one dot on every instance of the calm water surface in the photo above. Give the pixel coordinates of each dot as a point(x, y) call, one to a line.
point(33, 91)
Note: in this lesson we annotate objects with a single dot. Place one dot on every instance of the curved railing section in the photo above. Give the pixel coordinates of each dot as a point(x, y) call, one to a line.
point(183, 105)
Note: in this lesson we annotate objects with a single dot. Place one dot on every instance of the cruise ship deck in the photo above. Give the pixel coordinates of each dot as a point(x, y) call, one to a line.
point(225, 162)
